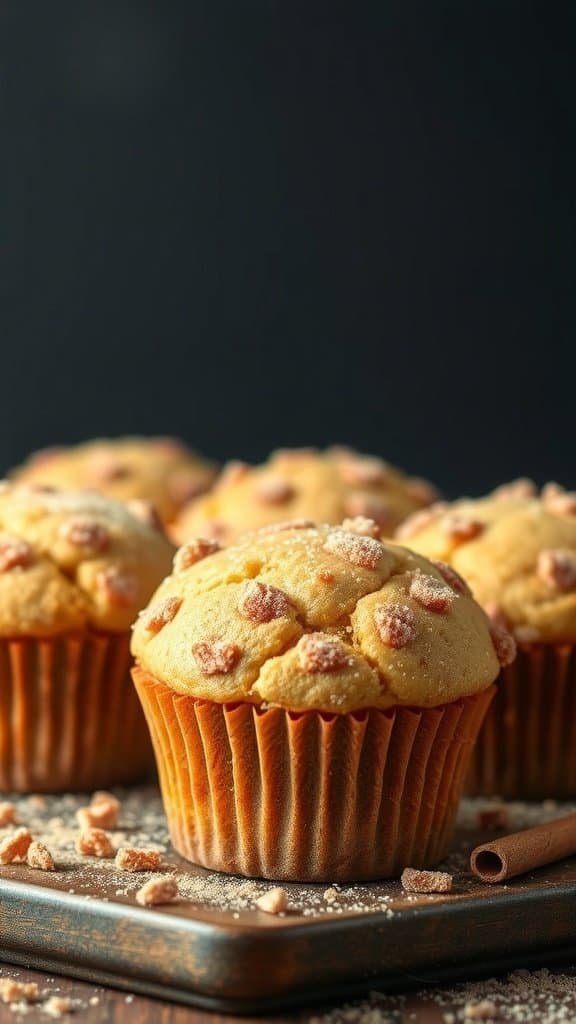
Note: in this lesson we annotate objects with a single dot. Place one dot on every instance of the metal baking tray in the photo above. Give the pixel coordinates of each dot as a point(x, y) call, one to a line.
point(207, 953)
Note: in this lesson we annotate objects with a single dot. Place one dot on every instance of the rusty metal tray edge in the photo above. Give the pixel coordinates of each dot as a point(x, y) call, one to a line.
point(240, 968)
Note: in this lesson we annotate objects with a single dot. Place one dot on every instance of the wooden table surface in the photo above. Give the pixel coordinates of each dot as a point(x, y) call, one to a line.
point(99, 1005)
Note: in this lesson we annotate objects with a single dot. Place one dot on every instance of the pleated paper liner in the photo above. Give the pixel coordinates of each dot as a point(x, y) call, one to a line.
point(309, 796)
point(527, 746)
point(69, 716)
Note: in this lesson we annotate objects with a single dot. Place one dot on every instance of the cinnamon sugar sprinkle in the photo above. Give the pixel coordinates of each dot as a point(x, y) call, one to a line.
point(93, 537)
point(320, 653)
point(216, 657)
point(15, 553)
point(461, 528)
point(431, 593)
point(557, 569)
point(194, 551)
point(156, 617)
point(362, 551)
point(363, 525)
point(453, 578)
point(395, 624)
point(261, 602)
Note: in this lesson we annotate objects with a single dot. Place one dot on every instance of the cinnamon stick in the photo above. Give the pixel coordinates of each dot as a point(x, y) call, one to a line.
point(523, 851)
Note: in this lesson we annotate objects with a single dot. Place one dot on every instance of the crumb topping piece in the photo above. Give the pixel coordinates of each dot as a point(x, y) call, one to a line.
point(557, 569)
point(157, 891)
point(156, 617)
point(88, 534)
point(431, 593)
point(58, 1006)
point(362, 551)
point(320, 653)
point(486, 1009)
point(274, 491)
point(395, 624)
point(261, 602)
point(558, 501)
point(274, 901)
point(461, 528)
point(194, 551)
point(134, 858)
point(453, 578)
point(15, 553)
point(12, 991)
point(216, 657)
point(120, 587)
point(362, 525)
point(504, 645)
point(415, 880)
point(7, 813)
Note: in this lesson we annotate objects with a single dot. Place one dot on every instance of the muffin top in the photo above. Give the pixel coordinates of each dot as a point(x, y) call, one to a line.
point(323, 618)
point(517, 551)
point(73, 559)
point(304, 483)
point(161, 470)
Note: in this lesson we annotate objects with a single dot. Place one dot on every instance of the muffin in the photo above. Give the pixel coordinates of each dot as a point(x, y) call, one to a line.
point(75, 568)
point(517, 551)
point(313, 697)
point(159, 470)
point(304, 483)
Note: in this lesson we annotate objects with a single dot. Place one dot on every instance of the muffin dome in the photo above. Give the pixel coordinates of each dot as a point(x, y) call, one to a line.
point(73, 559)
point(161, 470)
point(517, 550)
point(306, 617)
point(304, 483)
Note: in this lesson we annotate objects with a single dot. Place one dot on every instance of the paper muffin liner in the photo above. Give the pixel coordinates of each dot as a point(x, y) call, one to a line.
point(69, 717)
point(526, 748)
point(309, 796)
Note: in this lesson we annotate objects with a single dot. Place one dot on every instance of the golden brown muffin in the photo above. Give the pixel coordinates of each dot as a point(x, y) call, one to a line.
point(160, 470)
point(75, 568)
point(341, 675)
point(325, 487)
point(517, 551)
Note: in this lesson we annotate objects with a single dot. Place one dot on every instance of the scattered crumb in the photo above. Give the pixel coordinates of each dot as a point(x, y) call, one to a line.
point(330, 895)
point(484, 1010)
point(134, 858)
point(94, 842)
point(15, 846)
point(39, 856)
point(57, 1006)
point(7, 813)
point(12, 991)
point(274, 901)
point(103, 811)
point(414, 880)
point(157, 891)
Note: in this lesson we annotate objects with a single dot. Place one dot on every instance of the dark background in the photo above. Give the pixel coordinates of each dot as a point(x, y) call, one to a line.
point(260, 223)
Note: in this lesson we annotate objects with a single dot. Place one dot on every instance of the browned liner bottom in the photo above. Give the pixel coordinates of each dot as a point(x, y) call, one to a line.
point(69, 716)
point(307, 796)
point(527, 746)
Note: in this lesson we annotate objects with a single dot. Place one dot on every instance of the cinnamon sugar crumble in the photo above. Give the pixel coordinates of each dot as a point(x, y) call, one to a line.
point(504, 645)
point(194, 551)
point(261, 602)
point(156, 617)
point(362, 551)
point(320, 653)
point(274, 490)
point(362, 525)
point(58, 1006)
point(7, 813)
point(275, 901)
point(157, 891)
point(557, 568)
point(94, 842)
point(415, 880)
point(93, 537)
point(120, 587)
point(453, 578)
point(15, 846)
point(134, 858)
point(287, 524)
point(216, 657)
point(395, 624)
point(420, 520)
point(431, 593)
point(15, 553)
point(39, 856)
point(461, 528)
point(559, 501)
point(369, 506)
